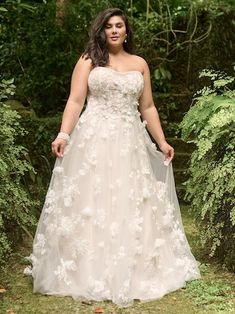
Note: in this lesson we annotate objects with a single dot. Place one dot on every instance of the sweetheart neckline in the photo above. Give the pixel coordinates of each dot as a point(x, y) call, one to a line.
point(120, 72)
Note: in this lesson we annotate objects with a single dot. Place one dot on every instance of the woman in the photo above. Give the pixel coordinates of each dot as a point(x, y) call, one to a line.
point(111, 226)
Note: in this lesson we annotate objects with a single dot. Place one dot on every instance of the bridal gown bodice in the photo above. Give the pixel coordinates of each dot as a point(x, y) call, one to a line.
point(117, 95)
point(111, 227)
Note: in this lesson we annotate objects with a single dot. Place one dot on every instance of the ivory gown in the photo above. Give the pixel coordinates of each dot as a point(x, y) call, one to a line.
point(111, 226)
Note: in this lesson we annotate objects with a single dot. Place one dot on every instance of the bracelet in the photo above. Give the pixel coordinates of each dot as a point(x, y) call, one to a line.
point(63, 136)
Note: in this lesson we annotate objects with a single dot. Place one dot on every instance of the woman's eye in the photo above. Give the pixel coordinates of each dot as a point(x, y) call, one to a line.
point(110, 26)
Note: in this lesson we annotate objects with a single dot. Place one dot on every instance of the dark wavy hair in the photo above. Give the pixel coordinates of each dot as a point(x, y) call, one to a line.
point(96, 48)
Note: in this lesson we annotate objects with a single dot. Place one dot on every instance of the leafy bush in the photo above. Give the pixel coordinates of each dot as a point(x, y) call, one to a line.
point(40, 50)
point(41, 132)
point(16, 214)
point(32, 51)
point(209, 124)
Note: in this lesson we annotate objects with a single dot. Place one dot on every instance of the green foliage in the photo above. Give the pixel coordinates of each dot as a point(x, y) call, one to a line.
point(32, 51)
point(16, 214)
point(41, 132)
point(166, 112)
point(211, 295)
point(163, 29)
point(161, 79)
point(40, 50)
point(210, 125)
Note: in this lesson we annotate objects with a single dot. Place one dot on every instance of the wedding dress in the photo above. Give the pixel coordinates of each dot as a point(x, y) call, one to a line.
point(111, 227)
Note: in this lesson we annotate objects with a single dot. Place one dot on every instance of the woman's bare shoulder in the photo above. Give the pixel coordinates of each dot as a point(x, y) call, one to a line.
point(138, 59)
point(140, 62)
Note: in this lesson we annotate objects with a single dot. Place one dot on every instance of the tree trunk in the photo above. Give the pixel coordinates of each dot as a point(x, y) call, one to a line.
point(60, 8)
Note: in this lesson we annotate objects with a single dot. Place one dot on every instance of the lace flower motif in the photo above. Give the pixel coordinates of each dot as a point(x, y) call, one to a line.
point(79, 247)
point(86, 212)
point(62, 270)
point(114, 228)
point(40, 243)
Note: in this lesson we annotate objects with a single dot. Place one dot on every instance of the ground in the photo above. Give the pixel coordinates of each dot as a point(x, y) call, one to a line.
point(213, 293)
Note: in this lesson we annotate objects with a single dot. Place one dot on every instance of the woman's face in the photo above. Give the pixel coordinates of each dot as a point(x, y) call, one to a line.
point(115, 31)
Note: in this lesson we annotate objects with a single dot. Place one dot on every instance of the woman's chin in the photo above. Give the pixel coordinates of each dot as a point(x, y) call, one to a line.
point(115, 44)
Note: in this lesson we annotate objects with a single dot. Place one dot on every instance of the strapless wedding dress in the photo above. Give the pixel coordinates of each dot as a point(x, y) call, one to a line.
point(111, 228)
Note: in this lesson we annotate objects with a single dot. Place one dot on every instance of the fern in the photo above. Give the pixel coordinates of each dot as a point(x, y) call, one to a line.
point(15, 203)
point(210, 125)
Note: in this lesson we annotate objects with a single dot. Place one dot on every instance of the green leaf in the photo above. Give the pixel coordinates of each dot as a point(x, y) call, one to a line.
point(2, 9)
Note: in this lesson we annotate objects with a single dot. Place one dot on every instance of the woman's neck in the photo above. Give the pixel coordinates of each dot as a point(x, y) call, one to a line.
point(116, 51)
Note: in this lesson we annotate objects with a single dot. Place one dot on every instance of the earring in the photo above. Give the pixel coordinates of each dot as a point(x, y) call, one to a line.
point(125, 41)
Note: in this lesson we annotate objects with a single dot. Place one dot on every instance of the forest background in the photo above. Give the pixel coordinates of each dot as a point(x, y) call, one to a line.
point(189, 46)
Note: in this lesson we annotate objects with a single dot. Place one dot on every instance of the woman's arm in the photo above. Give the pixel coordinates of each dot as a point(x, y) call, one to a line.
point(149, 113)
point(75, 103)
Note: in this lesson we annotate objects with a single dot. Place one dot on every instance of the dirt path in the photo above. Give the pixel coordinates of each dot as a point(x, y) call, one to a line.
point(214, 293)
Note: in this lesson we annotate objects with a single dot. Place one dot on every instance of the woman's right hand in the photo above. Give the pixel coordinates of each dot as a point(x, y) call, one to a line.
point(58, 146)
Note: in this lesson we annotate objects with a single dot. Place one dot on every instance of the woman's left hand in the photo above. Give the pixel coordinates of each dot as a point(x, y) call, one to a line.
point(167, 150)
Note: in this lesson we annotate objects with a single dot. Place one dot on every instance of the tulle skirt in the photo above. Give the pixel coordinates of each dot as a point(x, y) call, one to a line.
point(111, 227)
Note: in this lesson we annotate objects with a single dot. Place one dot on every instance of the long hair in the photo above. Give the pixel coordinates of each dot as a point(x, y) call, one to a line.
point(96, 48)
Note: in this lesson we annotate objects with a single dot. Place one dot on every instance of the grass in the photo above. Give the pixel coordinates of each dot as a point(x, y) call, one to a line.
point(212, 294)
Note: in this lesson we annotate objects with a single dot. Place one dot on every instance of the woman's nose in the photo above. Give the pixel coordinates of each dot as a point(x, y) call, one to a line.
point(114, 29)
